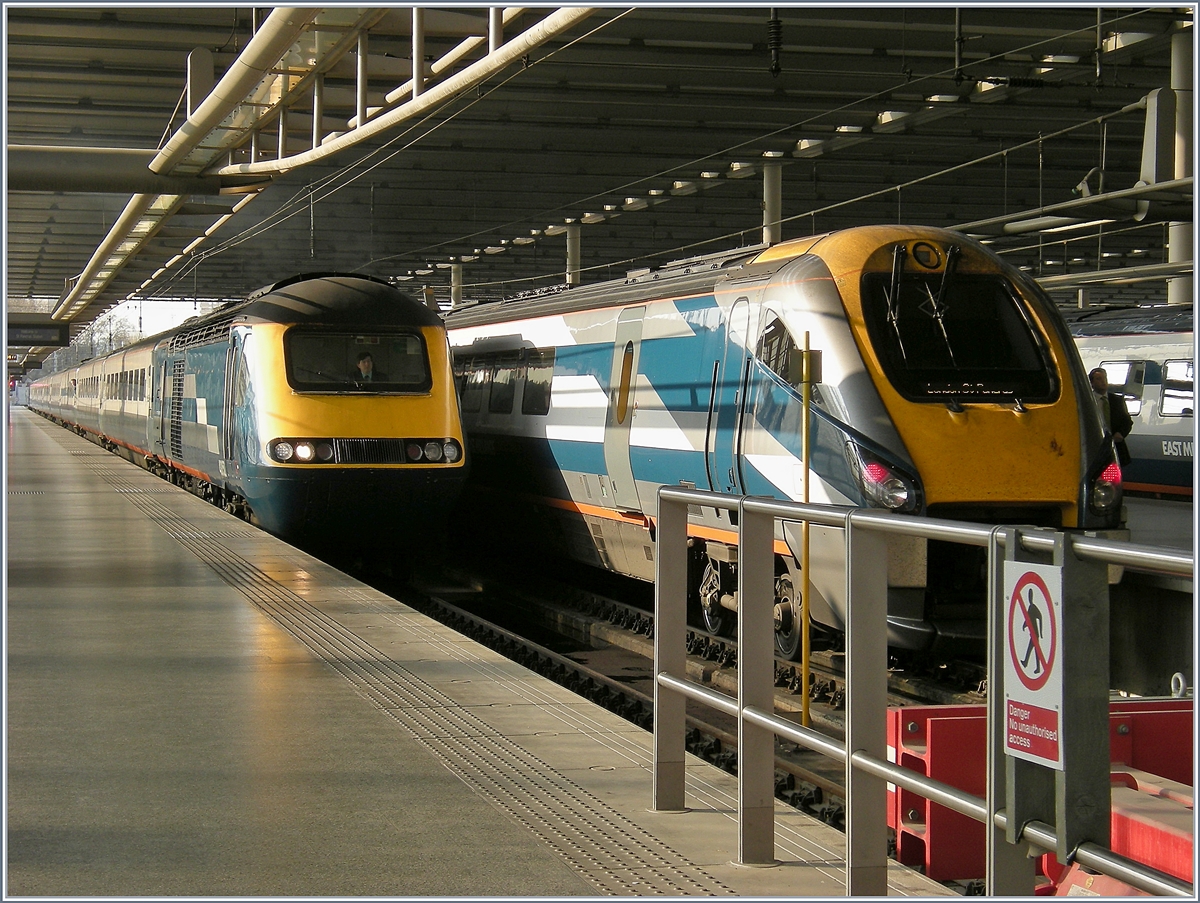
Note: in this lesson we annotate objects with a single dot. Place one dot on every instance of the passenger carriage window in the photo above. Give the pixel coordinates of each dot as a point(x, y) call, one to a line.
point(1177, 389)
point(473, 384)
point(626, 381)
point(539, 374)
point(504, 384)
point(969, 339)
point(1126, 377)
point(321, 361)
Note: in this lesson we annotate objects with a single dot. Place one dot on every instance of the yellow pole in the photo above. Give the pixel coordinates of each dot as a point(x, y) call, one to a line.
point(805, 404)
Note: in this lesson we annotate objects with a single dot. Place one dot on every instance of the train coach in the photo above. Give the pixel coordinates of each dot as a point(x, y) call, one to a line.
point(264, 408)
point(1148, 354)
point(950, 387)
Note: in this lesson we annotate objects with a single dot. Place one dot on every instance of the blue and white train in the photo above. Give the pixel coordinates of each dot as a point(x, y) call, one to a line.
point(950, 387)
point(259, 407)
point(1149, 356)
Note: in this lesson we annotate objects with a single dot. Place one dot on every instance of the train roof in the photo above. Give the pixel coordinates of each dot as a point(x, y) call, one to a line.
point(1148, 320)
point(334, 299)
point(679, 277)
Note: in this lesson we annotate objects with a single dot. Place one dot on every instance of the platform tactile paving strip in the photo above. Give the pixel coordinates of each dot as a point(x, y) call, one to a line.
point(615, 855)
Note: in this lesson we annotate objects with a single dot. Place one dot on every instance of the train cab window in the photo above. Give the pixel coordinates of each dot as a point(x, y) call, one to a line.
point(1177, 389)
point(966, 338)
point(776, 349)
point(539, 374)
point(504, 384)
point(321, 361)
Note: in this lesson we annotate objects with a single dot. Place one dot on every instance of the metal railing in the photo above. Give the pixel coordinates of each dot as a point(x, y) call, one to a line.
point(864, 754)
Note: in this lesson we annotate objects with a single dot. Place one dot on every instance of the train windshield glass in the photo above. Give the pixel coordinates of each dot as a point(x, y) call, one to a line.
point(968, 340)
point(319, 361)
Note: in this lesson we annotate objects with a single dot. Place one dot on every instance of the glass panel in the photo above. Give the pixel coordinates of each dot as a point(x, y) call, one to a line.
point(356, 362)
point(969, 340)
point(474, 380)
point(1177, 399)
point(775, 349)
point(504, 386)
point(539, 374)
point(626, 379)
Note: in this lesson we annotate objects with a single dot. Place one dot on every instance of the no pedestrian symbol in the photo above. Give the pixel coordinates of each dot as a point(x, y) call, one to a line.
point(1032, 675)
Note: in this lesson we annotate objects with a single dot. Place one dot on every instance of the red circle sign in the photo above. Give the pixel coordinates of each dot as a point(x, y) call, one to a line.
point(1034, 665)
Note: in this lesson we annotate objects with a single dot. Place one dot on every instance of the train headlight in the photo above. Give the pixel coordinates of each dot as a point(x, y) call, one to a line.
point(302, 451)
point(883, 484)
point(451, 451)
point(433, 451)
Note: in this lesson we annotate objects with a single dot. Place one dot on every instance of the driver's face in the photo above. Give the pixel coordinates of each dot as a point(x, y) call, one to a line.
point(365, 366)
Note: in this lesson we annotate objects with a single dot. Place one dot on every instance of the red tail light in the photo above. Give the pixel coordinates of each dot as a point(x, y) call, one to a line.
point(876, 473)
point(1112, 473)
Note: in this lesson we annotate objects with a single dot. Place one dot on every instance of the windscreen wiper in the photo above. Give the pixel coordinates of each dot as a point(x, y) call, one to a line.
point(939, 303)
point(893, 297)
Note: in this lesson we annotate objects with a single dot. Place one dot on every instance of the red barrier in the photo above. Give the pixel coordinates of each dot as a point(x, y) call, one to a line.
point(1151, 742)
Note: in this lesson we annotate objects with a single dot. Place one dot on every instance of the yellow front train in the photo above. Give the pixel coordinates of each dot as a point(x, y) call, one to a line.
point(271, 408)
point(949, 387)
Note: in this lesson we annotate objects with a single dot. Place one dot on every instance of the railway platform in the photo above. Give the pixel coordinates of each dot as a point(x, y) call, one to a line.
point(196, 708)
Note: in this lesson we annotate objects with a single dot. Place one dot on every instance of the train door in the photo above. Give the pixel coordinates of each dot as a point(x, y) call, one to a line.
point(170, 421)
point(156, 423)
point(722, 436)
point(233, 440)
point(621, 401)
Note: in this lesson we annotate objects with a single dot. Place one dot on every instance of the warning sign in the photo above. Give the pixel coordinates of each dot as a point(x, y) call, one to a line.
point(1032, 673)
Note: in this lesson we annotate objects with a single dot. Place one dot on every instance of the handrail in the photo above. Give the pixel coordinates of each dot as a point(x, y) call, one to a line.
point(755, 722)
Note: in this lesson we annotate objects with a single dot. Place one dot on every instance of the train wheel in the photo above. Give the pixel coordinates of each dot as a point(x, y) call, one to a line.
point(788, 612)
point(717, 620)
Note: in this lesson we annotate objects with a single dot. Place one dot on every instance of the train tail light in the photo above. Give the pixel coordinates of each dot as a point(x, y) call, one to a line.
point(1106, 490)
point(882, 483)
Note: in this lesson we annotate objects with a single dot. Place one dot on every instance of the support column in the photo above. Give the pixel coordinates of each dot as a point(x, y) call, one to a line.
point(418, 52)
point(318, 128)
point(360, 105)
point(283, 130)
point(772, 201)
point(200, 77)
point(495, 28)
point(456, 278)
point(573, 253)
point(1180, 235)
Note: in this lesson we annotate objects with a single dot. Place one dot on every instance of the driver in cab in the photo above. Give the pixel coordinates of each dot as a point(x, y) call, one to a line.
point(366, 372)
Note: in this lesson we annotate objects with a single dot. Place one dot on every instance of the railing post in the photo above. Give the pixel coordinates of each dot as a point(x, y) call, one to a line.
point(1008, 871)
point(670, 653)
point(756, 686)
point(1083, 798)
point(866, 708)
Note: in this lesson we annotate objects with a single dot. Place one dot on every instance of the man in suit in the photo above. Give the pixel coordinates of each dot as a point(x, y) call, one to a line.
point(366, 372)
point(1113, 412)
